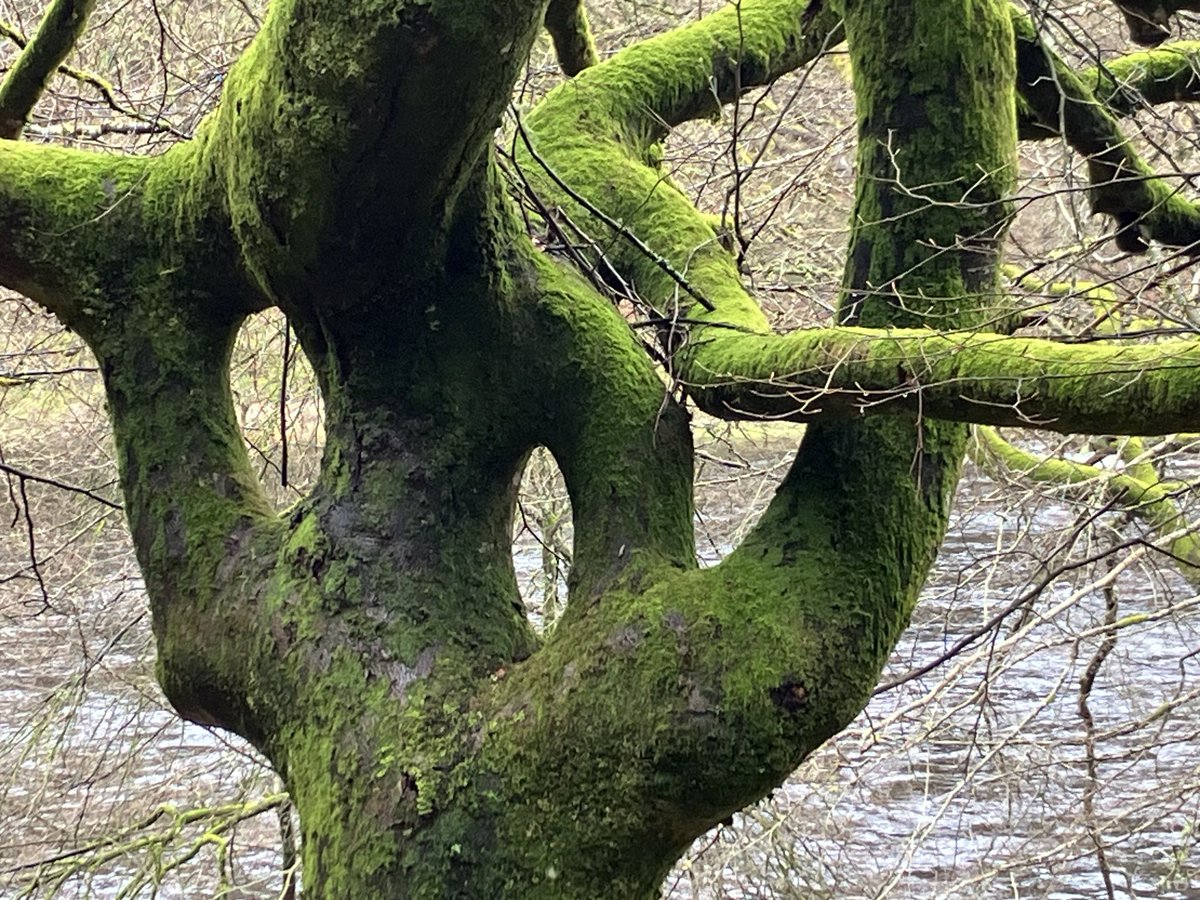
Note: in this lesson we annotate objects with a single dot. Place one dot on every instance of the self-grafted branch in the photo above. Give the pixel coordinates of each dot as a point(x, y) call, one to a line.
point(199, 520)
point(1123, 186)
point(334, 146)
point(567, 22)
point(1149, 21)
point(61, 27)
point(759, 659)
point(624, 447)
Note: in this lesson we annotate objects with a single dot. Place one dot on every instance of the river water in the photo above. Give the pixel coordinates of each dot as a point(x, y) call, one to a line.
point(969, 781)
point(973, 780)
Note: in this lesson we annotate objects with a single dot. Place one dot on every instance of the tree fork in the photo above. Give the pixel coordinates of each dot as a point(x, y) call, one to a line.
point(764, 656)
point(371, 639)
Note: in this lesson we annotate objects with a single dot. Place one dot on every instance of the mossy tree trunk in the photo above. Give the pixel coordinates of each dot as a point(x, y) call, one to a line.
point(371, 641)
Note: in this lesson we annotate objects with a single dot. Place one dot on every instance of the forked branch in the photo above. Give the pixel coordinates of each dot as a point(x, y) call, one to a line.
point(1145, 207)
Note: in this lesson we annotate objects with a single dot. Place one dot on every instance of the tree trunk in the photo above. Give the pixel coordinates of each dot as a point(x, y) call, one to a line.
point(371, 640)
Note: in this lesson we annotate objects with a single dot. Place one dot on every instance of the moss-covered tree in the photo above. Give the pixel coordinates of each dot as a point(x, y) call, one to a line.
point(370, 641)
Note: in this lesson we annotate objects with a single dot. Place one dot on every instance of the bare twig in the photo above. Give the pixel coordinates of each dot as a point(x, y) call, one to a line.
point(1086, 682)
point(22, 476)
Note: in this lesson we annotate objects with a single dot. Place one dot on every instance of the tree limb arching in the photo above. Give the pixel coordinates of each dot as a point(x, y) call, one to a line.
point(1138, 489)
point(389, 591)
point(56, 36)
point(1144, 207)
point(1149, 20)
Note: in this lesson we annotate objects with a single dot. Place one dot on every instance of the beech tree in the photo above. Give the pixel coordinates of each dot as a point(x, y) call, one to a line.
point(370, 640)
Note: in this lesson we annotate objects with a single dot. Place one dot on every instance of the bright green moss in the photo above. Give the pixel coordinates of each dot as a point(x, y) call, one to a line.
point(370, 642)
point(1154, 76)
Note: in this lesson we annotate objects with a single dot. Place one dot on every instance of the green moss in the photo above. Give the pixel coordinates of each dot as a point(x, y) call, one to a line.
point(370, 642)
point(787, 636)
point(49, 191)
point(1156, 76)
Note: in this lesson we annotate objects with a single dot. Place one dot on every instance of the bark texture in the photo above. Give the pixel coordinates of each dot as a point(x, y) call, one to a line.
point(371, 640)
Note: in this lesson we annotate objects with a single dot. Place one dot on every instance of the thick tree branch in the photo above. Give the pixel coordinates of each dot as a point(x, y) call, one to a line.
point(1103, 387)
point(57, 207)
point(567, 22)
point(623, 443)
point(333, 143)
point(201, 526)
point(1149, 21)
point(688, 73)
point(1144, 206)
point(26, 80)
point(1136, 80)
point(82, 232)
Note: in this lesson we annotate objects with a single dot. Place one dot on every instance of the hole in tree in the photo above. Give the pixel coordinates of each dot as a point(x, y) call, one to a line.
point(279, 407)
point(543, 533)
point(738, 467)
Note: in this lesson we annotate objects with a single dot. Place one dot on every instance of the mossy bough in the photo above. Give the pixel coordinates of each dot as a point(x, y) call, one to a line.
point(371, 640)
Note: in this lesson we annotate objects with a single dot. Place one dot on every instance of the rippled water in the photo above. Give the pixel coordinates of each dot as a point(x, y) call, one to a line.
point(963, 786)
point(971, 781)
